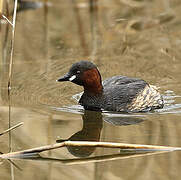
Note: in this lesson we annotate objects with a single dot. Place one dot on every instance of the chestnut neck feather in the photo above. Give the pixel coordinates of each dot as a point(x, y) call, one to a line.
point(92, 82)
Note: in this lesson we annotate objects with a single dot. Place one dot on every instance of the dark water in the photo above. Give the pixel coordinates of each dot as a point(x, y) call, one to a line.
point(135, 38)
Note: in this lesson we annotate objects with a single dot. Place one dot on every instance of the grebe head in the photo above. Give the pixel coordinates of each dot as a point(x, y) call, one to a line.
point(84, 73)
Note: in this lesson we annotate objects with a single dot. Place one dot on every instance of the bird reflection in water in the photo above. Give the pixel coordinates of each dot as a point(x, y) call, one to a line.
point(92, 125)
point(91, 131)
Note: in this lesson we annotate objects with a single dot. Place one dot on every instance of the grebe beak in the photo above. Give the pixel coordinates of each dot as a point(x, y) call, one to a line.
point(66, 77)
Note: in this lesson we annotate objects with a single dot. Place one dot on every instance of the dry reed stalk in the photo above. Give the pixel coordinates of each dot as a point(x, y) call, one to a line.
point(13, 127)
point(122, 146)
point(11, 65)
point(1, 7)
point(12, 44)
point(7, 20)
point(103, 158)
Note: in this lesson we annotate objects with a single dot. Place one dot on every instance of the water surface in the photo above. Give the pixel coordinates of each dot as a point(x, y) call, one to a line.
point(137, 39)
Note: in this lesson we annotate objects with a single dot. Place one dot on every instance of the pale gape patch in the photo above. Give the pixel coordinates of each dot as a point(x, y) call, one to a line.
point(72, 78)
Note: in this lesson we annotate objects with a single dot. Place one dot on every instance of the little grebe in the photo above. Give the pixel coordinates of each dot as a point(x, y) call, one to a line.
point(118, 93)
